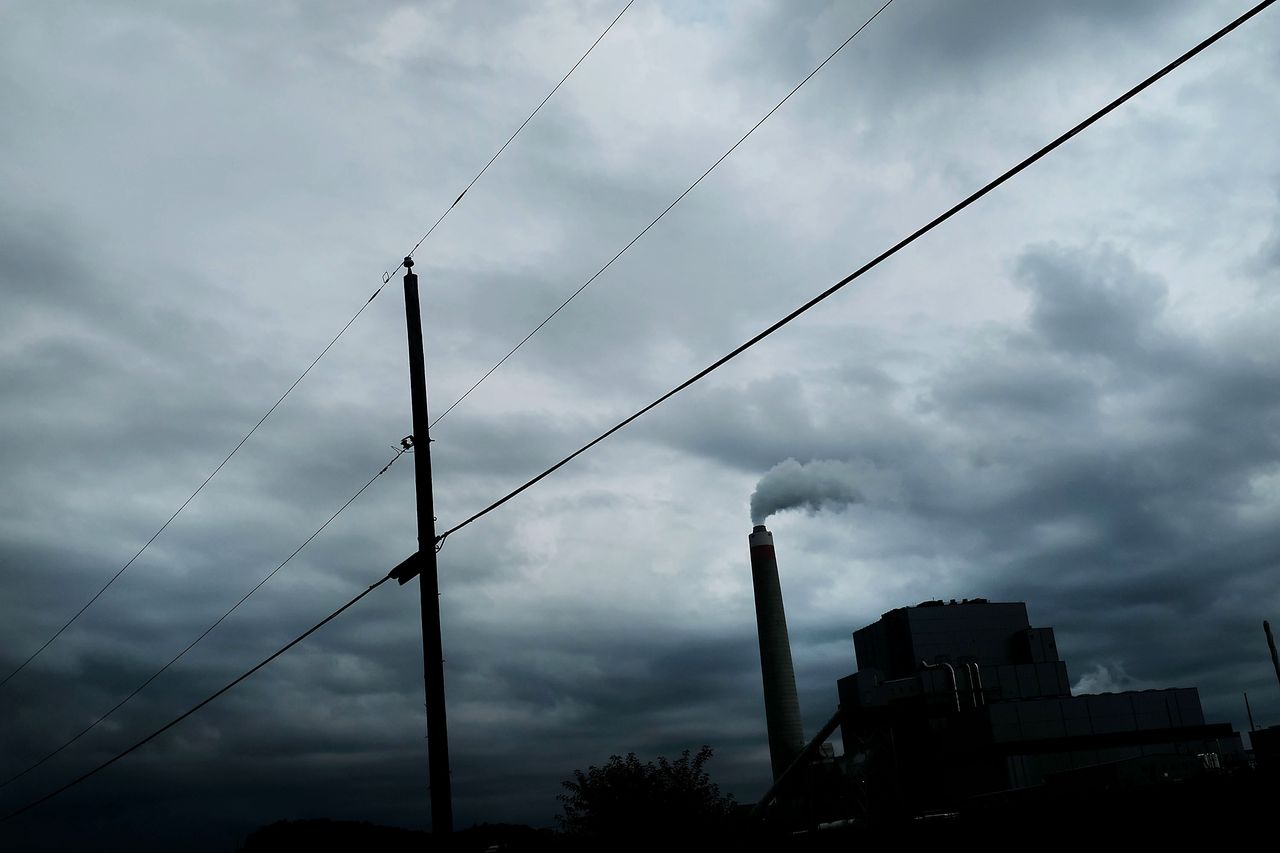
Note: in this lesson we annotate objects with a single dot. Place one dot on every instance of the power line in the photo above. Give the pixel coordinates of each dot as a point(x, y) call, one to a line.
point(199, 488)
point(874, 262)
point(701, 374)
point(511, 138)
point(104, 765)
point(207, 631)
point(386, 277)
point(659, 217)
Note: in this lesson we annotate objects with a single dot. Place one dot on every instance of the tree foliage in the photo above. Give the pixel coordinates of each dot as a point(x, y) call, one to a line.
point(627, 798)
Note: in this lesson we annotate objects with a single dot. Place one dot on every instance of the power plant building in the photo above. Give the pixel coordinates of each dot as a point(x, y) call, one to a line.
point(955, 700)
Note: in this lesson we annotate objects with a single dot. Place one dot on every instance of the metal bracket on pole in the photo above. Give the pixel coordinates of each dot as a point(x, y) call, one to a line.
point(408, 569)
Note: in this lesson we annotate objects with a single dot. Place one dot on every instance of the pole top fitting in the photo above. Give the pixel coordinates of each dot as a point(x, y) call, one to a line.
point(408, 262)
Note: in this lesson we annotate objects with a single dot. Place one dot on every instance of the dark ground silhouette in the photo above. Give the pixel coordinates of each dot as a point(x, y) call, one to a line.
point(1206, 810)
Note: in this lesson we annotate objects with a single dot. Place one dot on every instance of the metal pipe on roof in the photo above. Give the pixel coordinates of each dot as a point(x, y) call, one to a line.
point(975, 683)
point(951, 675)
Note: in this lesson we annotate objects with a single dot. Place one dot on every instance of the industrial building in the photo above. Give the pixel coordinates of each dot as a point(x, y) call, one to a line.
point(965, 703)
point(954, 700)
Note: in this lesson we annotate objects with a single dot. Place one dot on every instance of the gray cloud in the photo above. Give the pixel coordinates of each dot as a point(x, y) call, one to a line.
point(1107, 309)
point(1064, 396)
point(1125, 492)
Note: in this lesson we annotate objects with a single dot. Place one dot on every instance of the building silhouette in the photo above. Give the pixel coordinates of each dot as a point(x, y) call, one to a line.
point(961, 700)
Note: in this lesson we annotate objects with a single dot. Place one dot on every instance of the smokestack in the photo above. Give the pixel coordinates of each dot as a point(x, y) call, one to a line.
point(781, 704)
point(1271, 644)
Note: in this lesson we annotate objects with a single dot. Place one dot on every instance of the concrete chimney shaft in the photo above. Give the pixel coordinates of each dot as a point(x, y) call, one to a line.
point(781, 704)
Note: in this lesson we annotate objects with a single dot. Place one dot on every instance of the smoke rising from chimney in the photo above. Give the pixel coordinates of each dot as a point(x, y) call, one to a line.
point(811, 486)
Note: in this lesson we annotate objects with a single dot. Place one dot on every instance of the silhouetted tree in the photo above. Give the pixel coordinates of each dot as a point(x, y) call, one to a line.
point(630, 799)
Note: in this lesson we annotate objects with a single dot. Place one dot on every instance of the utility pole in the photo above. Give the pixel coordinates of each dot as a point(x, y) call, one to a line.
point(429, 582)
point(1271, 645)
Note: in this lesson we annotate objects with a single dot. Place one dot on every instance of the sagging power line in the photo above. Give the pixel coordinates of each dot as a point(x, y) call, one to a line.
point(511, 138)
point(386, 277)
point(191, 497)
point(660, 216)
point(404, 570)
point(155, 734)
point(405, 445)
point(874, 262)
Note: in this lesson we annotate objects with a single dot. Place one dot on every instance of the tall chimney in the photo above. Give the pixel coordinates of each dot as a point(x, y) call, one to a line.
point(781, 704)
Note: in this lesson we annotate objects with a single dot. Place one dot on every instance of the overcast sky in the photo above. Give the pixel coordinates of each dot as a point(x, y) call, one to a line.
point(1068, 395)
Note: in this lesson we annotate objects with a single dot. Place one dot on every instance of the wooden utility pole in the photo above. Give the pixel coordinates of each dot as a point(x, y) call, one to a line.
point(1271, 645)
point(429, 581)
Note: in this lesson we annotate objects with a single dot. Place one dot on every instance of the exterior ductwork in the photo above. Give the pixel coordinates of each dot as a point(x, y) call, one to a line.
point(781, 703)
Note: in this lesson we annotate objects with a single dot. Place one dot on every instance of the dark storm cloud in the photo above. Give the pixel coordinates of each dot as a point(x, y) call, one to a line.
point(776, 418)
point(195, 202)
point(1101, 461)
point(1107, 308)
point(643, 695)
point(942, 49)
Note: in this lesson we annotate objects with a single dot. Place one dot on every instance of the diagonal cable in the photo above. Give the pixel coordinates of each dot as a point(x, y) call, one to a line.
point(386, 277)
point(874, 262)
point(785, 320)
point(207, 631)
point(512, 137)
point(192, 496)
point(104, 765)
point(659, 217)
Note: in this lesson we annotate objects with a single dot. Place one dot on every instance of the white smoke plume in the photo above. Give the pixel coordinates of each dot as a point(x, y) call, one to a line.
point(811, 486)
point(1108, 677)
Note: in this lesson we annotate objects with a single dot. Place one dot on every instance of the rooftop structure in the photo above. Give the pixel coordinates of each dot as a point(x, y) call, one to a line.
point(955, 700)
